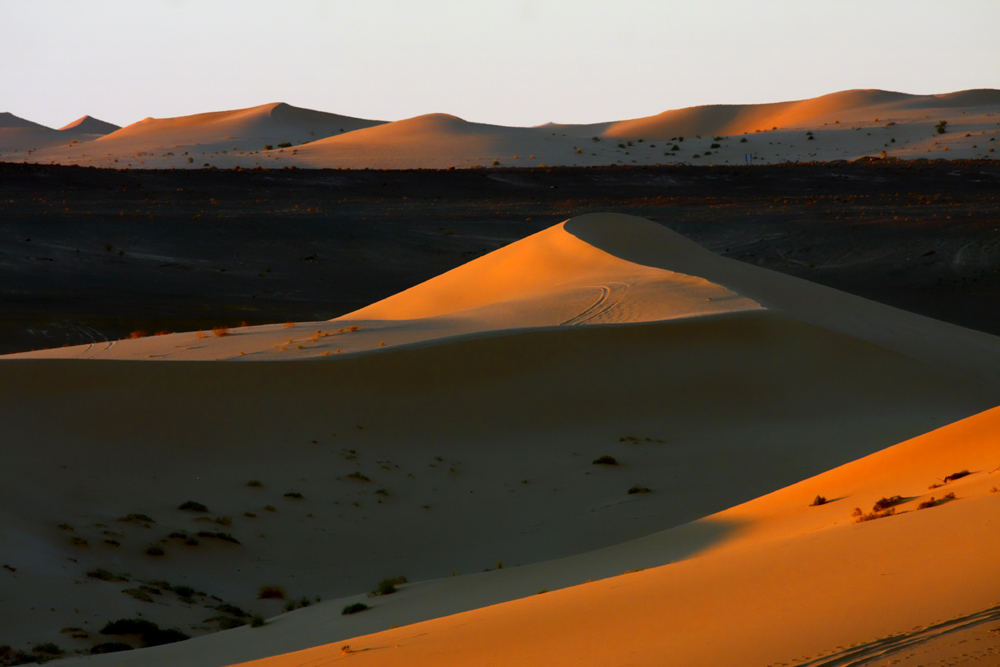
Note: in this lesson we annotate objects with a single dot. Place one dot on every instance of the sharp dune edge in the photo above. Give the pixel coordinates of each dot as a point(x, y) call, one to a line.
point(846, 125)
point(477, 401)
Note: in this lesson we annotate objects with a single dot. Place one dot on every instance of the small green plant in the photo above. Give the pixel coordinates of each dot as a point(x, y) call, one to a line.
point(817, 501)
point(355, 608)
point(638, 489)
point(495, 163)
point(388, 586)
point(605, 461)
point(271, 593)
point(940, 127)
point(257, 621)
point(743, 140)
point(290, 605)
point(192, 506)
point(715, 146)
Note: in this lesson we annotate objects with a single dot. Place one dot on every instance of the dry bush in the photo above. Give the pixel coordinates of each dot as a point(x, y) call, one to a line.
point(885, 503)
point(138, 333)
point(817, 501)
point(935, 502)
point(605, 461)
point(956, 475)
point(220, 331)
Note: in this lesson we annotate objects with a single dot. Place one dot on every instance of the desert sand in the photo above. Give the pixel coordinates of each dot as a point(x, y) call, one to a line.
point(847, 125)
point(454, 427)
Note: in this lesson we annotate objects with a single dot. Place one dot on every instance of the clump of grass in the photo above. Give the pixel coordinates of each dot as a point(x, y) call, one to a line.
point(220, 331)
point(638, 489)
point(956, 475)
point(192, 506)
point(136, 518)
point(886, 503)
point(355, 608)
point(138, 594)
point(388, 586)
point(861, 517)
point(257, 621)
point(817, 501)
point(48, 648)
point(935, 502)
point(268, 147)
point(605, 461)
point(218, 536)
point(104, 575)
point(271, 593)
point(293, 494)
point(358, 476)
point(154, 550)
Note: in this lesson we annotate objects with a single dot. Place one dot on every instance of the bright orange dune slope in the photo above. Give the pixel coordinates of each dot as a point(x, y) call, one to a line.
point(796, 584)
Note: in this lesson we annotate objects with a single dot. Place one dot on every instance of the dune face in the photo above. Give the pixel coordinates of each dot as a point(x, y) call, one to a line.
point(89, 125)
point(846, 125)
point(599, 397)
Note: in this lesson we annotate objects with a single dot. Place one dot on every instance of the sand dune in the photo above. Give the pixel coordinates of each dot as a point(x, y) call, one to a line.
point(846, 125)
point(469, 439)
point(89, 125)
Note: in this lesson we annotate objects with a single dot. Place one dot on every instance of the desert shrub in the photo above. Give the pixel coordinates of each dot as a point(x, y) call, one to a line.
point(605, 461)
point(956, 475)
point(388, 586)
point(218, 536)
point(183, 591)
point(138, 333)
point(293, 494)
point(382, 492)
point(358, 476)
point(192, 506)
point(255, 483)
point(940, 127)
point(227, 608)
point(871, 516)
point(353, 608)
point(271, 593)
point(104, 575)
point(151, 633)
point(220, 331)
point(270, 508)
point(817, 501)
point(675, 147)
point(223, 520)
point(285, 144)
point(268, 147)
point(496, 162)
point(154, 551)
point(190, 159)
point(638, 489)
point(110, 647)
point(48, 648)
point(140, 595)
point(139, 518)
point(257, 621)
point(80, 542)
point(935, 502)
point(289, 606)
point(113, 543)
point(715, 146)
point(885, 503)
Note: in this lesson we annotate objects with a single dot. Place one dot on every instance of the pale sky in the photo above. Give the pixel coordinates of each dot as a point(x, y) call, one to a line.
point(515, 62)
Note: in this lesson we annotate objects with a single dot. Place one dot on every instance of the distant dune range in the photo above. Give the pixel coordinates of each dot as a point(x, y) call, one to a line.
point(844, 125)
point(601, 397)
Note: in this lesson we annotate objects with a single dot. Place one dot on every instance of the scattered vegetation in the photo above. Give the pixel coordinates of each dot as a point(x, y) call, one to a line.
point(886, 503)
point(817, 501)
point(104, 575)
point(354, 608)
point(956, 475)
point(935, 502)
point(605, 461)
point(861, 517)
point(271, 593)
point(192, 506)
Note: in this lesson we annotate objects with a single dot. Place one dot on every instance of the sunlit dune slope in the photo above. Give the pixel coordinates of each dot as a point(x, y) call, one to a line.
point(792, 584)
point(432, 141)
point(244, 129)
point(89, 125)
point(729, 119)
